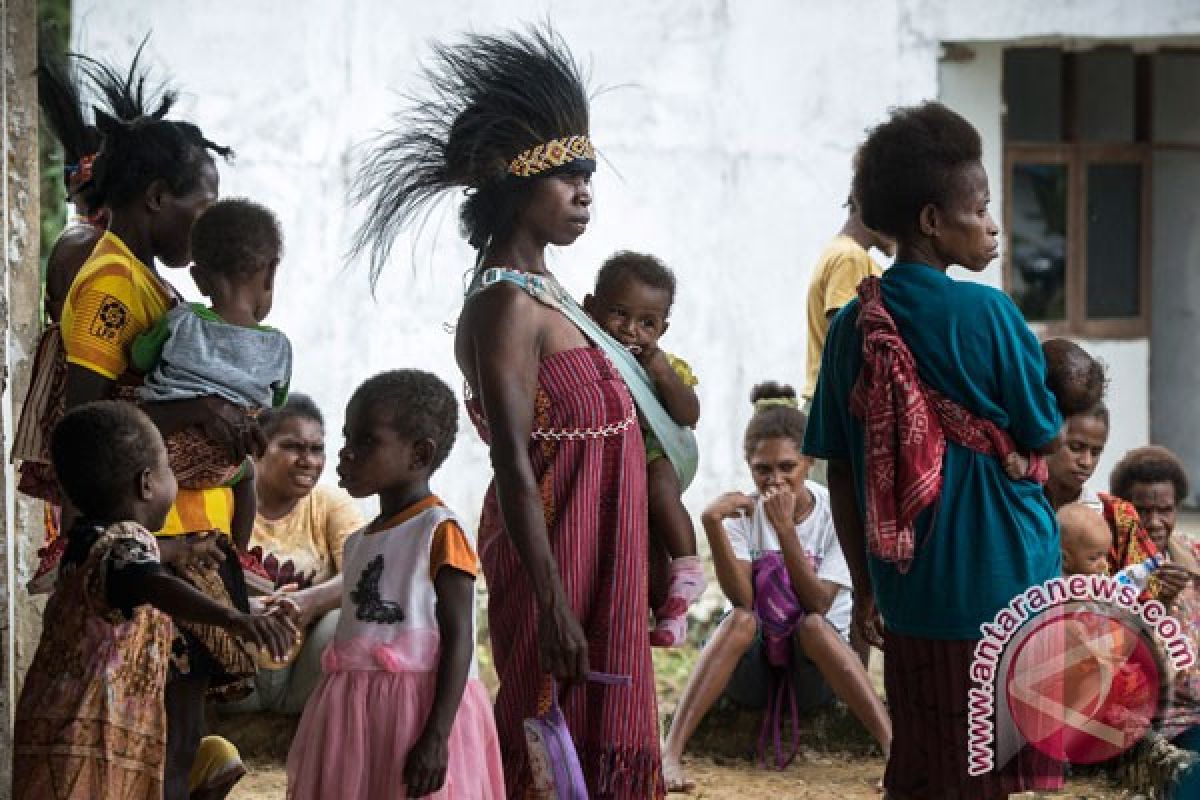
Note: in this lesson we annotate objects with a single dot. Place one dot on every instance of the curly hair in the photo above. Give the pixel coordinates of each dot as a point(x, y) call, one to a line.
point(776, 415)
point(642, 267)
point(235, 237)
point(1075, 378)
point(1150, 464)
point(98, 449)
point(422, 406)
point(298, 406)
point(913, 159)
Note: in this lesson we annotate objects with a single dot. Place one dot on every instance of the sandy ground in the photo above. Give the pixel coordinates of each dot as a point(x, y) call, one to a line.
point(815, 777)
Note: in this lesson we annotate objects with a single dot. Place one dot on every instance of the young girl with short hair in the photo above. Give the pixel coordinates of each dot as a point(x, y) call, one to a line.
point(400, 711)
point(90, 722)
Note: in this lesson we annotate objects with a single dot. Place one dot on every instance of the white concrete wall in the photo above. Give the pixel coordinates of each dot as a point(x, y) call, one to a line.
point(726, 152)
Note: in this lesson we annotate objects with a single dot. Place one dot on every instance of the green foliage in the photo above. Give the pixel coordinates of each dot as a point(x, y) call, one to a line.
point(56, 16)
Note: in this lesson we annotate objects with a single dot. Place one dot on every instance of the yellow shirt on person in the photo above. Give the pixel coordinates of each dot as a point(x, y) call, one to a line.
point(115, 297)
point(304, 546)
point(842, 267)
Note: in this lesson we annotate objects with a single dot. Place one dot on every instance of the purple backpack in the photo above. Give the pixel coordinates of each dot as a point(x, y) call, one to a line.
point(779, 613)
point(553, 761)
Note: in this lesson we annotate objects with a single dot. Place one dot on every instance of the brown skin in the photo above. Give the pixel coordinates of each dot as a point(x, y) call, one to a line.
point(635, 314)
point(779, 471)
point(502, 337)
point(1070, 468)
point(1158, 509)
point(285, 474)
point(243, 299)
point(71, 249)
point(864, 237)
point(378, 460)
point(148, 503)
point(158, 224)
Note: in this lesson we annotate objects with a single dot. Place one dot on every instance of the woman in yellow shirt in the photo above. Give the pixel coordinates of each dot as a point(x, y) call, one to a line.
point(155, 176)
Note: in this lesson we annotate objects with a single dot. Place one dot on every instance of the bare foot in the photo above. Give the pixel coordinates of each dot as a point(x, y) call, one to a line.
point(675, 776)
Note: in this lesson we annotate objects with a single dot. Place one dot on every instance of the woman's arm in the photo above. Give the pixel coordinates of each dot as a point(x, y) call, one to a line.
point(677, 397)
point(847, 520)
point(506, 345)
point(733, 573)
point(815, 594)
point(425, 765)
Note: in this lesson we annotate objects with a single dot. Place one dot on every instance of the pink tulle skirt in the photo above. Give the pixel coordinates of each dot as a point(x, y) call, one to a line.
point(363, 718)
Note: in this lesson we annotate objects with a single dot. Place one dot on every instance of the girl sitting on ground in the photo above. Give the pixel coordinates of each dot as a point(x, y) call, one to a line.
point(400, 711)
point(90, 722)
point(791, 515)
point(631, 302)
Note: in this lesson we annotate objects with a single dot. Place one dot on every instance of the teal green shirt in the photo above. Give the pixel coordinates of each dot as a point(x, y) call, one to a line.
point(988, 538)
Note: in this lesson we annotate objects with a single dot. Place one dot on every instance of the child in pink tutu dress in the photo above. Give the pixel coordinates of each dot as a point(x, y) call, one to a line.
point(400, 711)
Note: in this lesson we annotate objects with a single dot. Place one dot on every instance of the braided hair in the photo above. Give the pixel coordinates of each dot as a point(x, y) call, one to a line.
point(487, 99)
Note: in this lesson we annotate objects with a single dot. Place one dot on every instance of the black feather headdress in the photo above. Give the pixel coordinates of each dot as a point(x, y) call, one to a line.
point(61, 100)
point(487, 100)
point(128, 95)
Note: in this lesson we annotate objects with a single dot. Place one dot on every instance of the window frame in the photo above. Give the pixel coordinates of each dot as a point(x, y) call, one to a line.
point(1076, 157)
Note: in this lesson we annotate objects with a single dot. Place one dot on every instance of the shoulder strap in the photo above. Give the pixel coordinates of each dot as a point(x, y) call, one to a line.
point(678, 442)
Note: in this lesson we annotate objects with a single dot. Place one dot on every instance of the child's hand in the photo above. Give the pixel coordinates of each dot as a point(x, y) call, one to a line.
point(272, 631)
point(192, 549)
point(780, 504)
point(425, 766)
point(1016, 466)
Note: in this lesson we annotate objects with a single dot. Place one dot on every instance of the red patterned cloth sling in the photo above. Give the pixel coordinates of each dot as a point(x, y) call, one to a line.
point(906, 425)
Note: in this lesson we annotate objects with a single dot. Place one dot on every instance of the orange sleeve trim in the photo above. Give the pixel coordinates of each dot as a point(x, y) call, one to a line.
point(452, 548)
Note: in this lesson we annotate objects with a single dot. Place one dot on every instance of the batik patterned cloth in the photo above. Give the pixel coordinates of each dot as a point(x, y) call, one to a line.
point(90, 722)
point(589, 463)
point(907, 424)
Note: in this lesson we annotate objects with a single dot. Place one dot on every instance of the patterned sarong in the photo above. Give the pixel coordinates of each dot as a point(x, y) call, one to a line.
point(906, 426)
point(587, 455)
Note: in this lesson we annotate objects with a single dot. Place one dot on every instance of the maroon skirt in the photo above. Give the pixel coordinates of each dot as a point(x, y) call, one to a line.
point(927, 683)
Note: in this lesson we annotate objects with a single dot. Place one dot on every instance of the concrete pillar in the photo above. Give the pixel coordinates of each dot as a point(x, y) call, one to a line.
point(19, 301)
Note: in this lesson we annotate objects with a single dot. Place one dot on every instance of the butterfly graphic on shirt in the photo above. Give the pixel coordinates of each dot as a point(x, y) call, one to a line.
point(371, 606)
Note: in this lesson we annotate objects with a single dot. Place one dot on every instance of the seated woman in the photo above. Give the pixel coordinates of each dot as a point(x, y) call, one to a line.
point(791, 515)
point(1154, 481)
point(297, 546)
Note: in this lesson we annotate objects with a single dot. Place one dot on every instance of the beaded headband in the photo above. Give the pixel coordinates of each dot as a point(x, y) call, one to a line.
point(552, 154)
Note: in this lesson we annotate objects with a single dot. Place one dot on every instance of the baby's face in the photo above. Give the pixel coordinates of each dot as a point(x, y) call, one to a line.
point(1085, 547)
point(632, 312)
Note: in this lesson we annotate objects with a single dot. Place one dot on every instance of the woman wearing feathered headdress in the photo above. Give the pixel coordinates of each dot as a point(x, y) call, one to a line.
point(563, 531)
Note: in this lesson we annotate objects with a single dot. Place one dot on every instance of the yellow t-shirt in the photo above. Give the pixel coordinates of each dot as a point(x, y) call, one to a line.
point(842, 267)
point(114, 298)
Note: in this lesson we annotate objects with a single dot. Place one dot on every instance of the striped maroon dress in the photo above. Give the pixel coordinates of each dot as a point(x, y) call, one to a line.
point(588, 457)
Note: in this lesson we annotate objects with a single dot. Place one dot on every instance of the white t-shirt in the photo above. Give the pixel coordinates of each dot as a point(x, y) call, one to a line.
point(749, 536)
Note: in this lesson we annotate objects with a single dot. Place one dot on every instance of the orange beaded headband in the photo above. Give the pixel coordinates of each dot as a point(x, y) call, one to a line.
point(551, 155)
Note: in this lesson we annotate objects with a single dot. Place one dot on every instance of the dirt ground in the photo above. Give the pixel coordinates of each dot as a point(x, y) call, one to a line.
point(811, 777)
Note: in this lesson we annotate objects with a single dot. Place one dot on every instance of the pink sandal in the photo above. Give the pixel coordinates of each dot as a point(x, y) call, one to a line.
point(687, 583)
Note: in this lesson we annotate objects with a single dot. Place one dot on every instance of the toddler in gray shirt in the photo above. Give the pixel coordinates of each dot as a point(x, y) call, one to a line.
point(223, 350)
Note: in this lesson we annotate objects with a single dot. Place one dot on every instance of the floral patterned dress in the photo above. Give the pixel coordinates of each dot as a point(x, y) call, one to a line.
point(90, 721)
